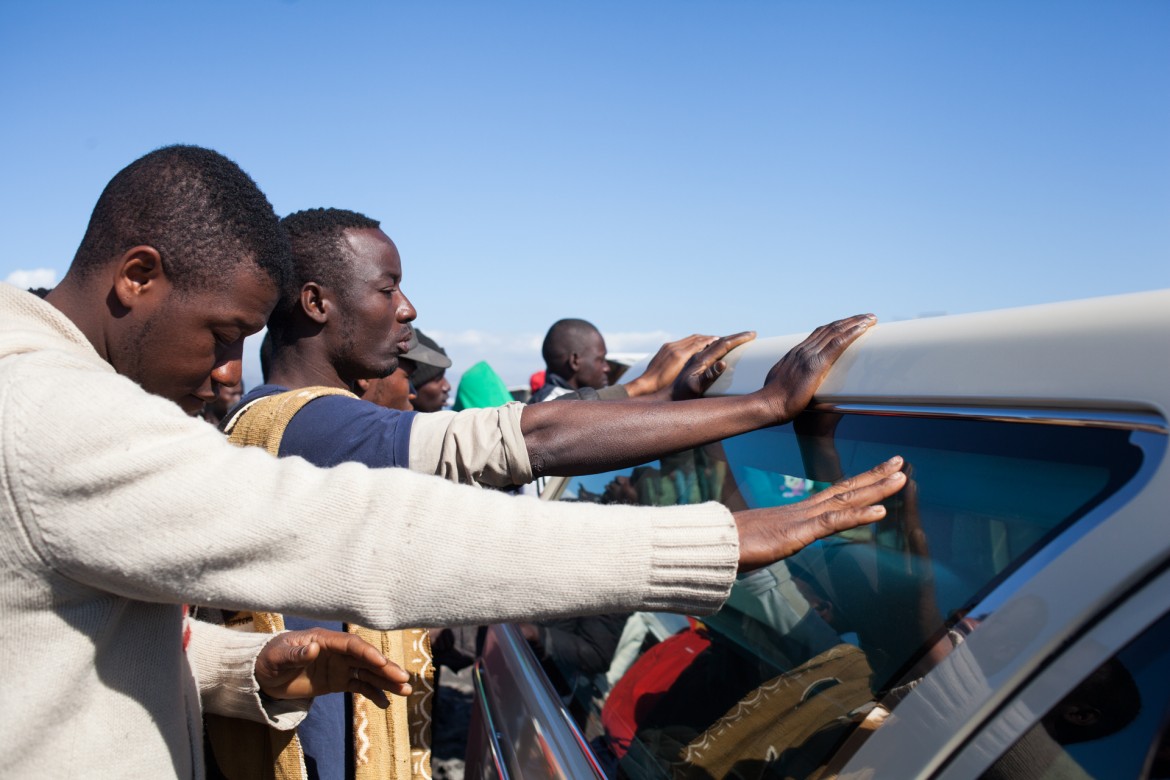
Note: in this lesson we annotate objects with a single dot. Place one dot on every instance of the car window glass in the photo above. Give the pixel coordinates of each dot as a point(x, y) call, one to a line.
point(804, 651)
point(1112, 724)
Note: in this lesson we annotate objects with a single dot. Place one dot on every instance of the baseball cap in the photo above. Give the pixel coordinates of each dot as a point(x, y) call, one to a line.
point(429, 358)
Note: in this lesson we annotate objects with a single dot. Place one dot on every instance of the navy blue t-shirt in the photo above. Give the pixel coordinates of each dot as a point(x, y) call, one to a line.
point(328, 431)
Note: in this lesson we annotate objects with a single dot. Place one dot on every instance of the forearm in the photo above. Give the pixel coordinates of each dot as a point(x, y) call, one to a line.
point(566, 438)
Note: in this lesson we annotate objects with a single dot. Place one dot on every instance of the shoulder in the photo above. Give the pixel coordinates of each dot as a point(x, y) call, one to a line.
point(338, 429)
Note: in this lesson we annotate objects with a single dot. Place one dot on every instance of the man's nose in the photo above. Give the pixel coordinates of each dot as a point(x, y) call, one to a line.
point(228, 373)
point(406, 312)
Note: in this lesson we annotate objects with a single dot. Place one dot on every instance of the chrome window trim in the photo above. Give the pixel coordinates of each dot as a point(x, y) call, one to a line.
point(534, 676)
point(1129, 421)
point(489, 723)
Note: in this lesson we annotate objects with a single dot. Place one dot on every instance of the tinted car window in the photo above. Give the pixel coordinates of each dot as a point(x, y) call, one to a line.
point(823, 645)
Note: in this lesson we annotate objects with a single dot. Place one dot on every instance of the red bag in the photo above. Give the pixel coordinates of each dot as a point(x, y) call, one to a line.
point(647, 679)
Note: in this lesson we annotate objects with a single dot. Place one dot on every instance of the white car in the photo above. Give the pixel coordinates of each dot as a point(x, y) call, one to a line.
point(1010, 618)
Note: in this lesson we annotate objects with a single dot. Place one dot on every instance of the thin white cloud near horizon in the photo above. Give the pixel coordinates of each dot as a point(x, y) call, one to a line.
point(32, 277)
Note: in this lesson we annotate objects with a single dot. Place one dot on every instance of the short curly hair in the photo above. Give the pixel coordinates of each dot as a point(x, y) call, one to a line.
point(564, 338)
point(319, 254)
point(203, 214)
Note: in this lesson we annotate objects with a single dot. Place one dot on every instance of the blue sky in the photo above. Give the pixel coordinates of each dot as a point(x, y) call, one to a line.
point(659, 168)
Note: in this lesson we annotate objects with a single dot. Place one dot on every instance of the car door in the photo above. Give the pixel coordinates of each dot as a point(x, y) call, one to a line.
point(797, 672)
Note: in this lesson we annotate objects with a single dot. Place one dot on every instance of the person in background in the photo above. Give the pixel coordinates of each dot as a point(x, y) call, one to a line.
point(428, 375)
point(480, 387)
point(226, 397)
point(396, 390)
point(576, 367)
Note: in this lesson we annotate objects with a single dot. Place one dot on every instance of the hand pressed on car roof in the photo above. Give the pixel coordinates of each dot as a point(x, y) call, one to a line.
point(570, 437)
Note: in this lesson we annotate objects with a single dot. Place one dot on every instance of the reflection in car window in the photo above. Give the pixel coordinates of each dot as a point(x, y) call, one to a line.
point(1112, 724)
point(803, 652)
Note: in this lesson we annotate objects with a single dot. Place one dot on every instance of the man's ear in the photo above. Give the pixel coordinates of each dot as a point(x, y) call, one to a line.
point(574, 362)
point(314, 303)
point(361, 387)
point(139, 273)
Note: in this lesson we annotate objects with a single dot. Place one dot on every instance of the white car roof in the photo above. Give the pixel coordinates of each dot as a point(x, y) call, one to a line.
point(1108, 353)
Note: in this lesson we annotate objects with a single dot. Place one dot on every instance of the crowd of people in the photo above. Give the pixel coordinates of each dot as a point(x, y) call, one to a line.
point(328, 573)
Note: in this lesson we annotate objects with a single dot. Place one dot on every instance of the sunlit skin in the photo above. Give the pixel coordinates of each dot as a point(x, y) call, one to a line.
point(432, 396)
point(589, 366)
point(353, 334)
point(390, 392)
point(182, 346)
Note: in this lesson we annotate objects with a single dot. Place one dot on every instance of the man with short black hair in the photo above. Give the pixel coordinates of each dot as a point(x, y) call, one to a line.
point(574, 360)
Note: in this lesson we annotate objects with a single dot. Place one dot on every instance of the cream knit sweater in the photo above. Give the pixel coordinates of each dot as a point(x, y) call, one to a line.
point(117, 508)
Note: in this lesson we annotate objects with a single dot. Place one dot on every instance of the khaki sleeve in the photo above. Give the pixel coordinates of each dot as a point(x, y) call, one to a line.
point(613, 393)
point(472, 447)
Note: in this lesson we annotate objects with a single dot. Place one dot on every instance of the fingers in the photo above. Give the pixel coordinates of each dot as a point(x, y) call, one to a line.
point(375, 686)
point(718, 348)
point(769, 535)
point(843, 486)
point(868, 494)
point(706, 366)
point(840, 333)
point(667, 364)
point(794, 379)
point(286, 653)
point(688, 346)
point(313, 662)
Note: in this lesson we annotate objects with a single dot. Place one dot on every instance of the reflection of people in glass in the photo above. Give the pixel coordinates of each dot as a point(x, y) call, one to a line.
point(1104, 703)
point(842, 621)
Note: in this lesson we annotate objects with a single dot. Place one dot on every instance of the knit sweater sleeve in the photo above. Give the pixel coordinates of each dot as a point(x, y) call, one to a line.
point(224, 663)
point(117, 489)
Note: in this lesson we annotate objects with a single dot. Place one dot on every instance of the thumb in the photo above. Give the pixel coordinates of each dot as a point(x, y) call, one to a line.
point(296, 657)
point(306, 654)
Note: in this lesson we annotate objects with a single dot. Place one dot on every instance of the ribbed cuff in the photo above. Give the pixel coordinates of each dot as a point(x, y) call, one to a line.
point(694, 559)
point(226, 660)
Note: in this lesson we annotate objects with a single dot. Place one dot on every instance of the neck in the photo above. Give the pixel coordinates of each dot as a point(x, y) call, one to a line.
point(304, 364)
point(75, 301)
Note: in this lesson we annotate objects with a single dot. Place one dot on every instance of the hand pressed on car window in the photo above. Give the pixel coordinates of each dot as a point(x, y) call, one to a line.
point(770, 534)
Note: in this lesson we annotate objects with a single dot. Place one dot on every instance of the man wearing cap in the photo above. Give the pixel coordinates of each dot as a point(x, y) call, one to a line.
point(397, 390)
point(427, 365)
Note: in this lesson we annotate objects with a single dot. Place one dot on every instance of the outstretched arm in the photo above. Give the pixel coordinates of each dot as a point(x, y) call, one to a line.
point(571, 438)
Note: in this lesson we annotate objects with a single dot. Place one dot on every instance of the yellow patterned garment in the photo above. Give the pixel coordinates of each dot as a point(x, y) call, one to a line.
point(394, 743)
point(769, 731)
